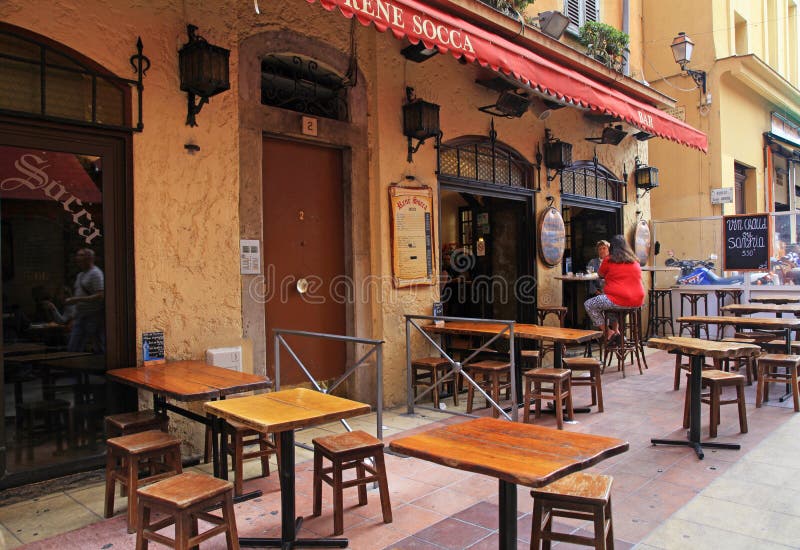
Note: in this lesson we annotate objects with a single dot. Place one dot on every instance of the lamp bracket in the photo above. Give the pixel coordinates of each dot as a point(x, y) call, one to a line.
point(194, 108)
point(699, 78)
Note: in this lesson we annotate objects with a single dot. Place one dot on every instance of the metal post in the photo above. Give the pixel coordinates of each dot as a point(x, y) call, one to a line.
point(409, 374)
point(379, 388)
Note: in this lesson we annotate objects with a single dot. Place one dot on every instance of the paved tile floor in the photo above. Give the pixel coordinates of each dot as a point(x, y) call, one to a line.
point(663, 497)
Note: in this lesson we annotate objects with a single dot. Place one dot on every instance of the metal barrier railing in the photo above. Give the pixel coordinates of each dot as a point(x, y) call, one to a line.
point(457, 367)
point(376, 348)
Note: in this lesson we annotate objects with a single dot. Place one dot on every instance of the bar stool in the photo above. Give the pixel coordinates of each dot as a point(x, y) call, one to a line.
point(581, 496)
point(345, 451)
point(583, 366)
point(136, 421)
point(491, 376)
point(715, 380)
point(735, 294)
point(660, 301)
point(426, 371)
point(127, 455)
point(767, 373)
point(693, 299)
point(184, 498)
point(560, 392)
point(561, 314)
point(630, 341)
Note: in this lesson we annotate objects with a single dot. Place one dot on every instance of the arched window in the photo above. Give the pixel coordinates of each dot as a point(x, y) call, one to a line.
point(486, 161)
point(586, 178)
point(297, 83)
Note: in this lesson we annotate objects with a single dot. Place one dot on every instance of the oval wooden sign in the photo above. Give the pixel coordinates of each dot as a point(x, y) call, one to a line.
point(641, 241)
point(551, 237)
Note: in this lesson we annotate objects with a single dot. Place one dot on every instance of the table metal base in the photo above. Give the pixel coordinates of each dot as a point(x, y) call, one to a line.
point(697, 446)
point(290, 526)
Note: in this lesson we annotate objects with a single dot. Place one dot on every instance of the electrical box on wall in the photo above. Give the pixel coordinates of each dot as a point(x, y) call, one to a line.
point(228, 358)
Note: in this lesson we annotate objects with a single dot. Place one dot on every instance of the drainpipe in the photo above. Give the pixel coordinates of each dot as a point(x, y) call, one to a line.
point(626, 28)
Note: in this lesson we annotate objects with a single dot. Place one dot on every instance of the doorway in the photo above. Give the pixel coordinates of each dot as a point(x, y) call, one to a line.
point(307, 287)
point(585, 224)
point(486, 242)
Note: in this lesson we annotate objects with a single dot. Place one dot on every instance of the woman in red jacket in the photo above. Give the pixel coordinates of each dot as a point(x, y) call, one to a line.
point(623, 287)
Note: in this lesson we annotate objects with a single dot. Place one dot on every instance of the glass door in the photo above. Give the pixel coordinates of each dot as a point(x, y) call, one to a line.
point(54, 262)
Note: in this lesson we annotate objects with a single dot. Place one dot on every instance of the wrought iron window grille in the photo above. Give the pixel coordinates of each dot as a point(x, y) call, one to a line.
point(591, 180)
point(300, 84)
point(24, 55)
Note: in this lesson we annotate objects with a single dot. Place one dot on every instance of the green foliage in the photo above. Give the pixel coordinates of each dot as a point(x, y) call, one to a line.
point(604, 43)
point(510, 7)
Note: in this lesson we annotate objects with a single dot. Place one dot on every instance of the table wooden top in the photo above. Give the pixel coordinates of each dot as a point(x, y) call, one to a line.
point(284, 410)
point(93, 363)
point(707, 348)
point(746, 322)
point(521, 330)
point(22, 347)
point(519, 453)
point(189, 380)
point(745, 309)
point(776, 298)
point(39, 357)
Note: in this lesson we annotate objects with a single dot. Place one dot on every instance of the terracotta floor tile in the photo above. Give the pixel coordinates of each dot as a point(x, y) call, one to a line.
point(445, 501)
point(453, 534)
point(413, 543)
point(482, 514)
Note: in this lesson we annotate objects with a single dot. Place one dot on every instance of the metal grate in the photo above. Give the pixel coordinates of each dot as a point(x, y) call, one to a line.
point(302, 85)
point(486, 164)
point(594, 182)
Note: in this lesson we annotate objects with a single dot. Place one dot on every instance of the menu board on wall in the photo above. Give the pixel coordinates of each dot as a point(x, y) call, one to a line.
point(746, 242)
point(412, 235)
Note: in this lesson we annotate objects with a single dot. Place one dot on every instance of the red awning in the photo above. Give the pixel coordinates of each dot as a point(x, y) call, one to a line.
point(416, 21)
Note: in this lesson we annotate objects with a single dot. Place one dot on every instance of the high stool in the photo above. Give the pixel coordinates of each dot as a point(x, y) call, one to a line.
point(659, 303)
point(241, 436)
point(126, 455)
point(560, 392)
point(133, 422)
point(55, 417)
point(349, 450)
point(184, 498)
point(491, 376)
point(686, 367)
point(767, 372)
point(561, 314)
point(693, 299)
point(581, 496)
point(630, 341)
point(715, 380)
point(426, 371)
point(735, 294)
point(584, 366)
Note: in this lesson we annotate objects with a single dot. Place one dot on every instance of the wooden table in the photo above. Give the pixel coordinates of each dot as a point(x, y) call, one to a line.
point(539, 333)
point(188, 381)
point(698, 349)
point(776, 298)
point(514, 453)
point(786, 325)
point(282, 412)
point(22, 347)
point(748, 309)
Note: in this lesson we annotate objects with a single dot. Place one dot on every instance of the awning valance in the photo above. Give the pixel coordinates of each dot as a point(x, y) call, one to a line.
point(417, 21)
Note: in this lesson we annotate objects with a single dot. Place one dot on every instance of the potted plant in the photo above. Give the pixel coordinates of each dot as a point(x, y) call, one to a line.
point(512, 8)
point(604, 43)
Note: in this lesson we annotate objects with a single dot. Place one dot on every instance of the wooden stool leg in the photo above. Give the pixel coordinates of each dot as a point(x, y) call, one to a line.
point(536, 525)
point(338, 504)
point(263, 446)
point(795, 390)
point(231, 535)
point(182, 531)
point(570, 411)
point(677, 382)
point(599, 386)
point(742, 409)
point(610, 535)
point(495, 389)
point(714, 420)
point(559, 403)
point(144, 523)
point(537, 401)
point(435, 382)
point(526, 414)
point(317, 491)
point(362, 488)
point(383, 487)
point(599, 527)
point(111, 463)
point(471, 392)
point(686, 407)
point(760, 387)
point(238, 460)
point(133, 485)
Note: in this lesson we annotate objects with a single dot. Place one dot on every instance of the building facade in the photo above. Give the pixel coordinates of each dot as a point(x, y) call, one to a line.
point(280, 209)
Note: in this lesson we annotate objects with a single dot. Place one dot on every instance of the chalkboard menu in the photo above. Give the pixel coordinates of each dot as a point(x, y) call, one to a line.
point(746, 242)
point(153, 346)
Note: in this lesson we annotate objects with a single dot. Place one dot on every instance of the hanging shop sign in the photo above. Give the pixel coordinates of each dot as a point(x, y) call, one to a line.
point(641, 241)
point(412, 235)
point(746, 241)
point(552, 237)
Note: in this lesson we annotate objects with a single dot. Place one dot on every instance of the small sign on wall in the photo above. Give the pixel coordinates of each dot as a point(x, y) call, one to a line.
point(309, 126)
point(153, 347)
point(722, 195)
point(250, 256)
point(412, 235)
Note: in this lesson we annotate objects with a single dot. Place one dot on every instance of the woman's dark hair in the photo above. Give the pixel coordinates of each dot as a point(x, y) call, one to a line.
point(620, 252)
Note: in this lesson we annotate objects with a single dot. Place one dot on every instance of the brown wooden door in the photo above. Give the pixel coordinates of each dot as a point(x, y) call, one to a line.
point(303, 201)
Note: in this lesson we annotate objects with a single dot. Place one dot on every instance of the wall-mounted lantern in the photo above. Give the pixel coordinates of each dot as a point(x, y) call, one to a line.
point(682, 48)
point(420, 121)
point(203, 70)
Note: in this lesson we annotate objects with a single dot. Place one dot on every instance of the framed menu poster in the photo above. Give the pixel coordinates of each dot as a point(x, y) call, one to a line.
point(412, 235)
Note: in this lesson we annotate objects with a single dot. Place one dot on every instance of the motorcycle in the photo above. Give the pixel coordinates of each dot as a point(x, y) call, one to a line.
point(701, 272)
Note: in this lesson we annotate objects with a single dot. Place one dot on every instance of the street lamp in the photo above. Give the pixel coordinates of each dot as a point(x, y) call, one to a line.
point(682, 47)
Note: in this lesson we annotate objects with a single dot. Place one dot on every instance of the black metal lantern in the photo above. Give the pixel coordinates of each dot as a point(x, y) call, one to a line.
point(203, 70)
point(420, 121)
point(646, 177)
point(557, 153)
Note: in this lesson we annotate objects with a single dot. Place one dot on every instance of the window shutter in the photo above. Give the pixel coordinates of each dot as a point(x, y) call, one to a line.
point(590, 12)
point(573, 12)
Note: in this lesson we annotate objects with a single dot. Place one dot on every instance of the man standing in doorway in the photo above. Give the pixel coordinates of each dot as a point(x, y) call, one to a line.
point(88, 299)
